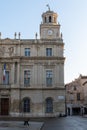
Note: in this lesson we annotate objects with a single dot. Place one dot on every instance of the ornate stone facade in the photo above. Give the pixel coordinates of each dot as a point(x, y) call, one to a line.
point(34, 73)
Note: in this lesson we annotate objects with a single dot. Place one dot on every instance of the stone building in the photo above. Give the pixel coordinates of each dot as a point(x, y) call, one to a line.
point(76, 102)
point(85, 95)
point(32, 72)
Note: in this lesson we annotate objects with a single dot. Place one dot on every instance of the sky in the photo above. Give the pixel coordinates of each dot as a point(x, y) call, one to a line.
point(25, 16)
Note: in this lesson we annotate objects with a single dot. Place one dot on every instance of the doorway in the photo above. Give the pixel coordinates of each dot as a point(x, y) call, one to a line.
point(76, 111)
point(4, 106)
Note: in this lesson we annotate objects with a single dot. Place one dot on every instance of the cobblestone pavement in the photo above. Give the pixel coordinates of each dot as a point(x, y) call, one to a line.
point(16, 125)
point(66, 123)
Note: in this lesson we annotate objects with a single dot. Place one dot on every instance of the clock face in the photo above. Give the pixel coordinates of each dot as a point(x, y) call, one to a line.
point(50, 32)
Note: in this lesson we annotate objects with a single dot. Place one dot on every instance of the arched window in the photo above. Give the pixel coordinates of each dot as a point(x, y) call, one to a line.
point(49, 105)
point(45, 20)
point(50, 19)
point(26, 105)
point(74, 88)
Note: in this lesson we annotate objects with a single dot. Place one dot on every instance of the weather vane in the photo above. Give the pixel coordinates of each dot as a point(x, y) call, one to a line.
point(48, 7)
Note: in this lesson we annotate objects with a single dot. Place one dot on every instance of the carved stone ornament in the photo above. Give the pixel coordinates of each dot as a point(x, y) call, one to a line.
point(6, 50)
point(2, 50)
point(11, 50)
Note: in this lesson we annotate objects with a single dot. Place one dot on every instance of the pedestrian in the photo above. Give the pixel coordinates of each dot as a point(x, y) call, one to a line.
point(26, 122)
point(82, 111)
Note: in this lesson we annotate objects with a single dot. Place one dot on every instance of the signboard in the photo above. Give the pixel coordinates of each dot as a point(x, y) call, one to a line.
point(61, 97)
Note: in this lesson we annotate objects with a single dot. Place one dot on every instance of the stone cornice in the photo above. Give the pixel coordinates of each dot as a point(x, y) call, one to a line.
point(45, 89)
point(43, 58)
point(31, 88)
point(31, 42)
point(33, 58)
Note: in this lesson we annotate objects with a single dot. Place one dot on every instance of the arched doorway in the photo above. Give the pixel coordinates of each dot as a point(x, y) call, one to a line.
point(26, 105)
point(49, 105)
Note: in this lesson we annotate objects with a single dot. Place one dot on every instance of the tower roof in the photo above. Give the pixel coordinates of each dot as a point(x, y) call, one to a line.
point(49, 12)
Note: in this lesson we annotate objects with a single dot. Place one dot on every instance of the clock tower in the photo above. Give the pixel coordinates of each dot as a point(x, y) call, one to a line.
point(49, 28)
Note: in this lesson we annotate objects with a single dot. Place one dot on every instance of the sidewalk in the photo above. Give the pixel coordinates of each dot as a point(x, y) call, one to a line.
point(85, 115)
point(17, 125)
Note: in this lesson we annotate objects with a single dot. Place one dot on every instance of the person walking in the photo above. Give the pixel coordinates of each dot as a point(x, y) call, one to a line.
point(26, 122)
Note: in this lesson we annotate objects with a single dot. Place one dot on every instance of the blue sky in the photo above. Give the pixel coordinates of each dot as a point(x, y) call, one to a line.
point(25, 16)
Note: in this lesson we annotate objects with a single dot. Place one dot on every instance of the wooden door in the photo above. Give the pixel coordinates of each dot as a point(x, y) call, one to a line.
point(4, 106)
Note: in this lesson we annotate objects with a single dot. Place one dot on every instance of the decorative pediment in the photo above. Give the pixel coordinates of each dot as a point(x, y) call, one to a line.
point(7, 40)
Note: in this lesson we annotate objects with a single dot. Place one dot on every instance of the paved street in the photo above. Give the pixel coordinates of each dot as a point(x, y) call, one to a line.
point(16, 125)
point(60, 123)
point(66, 123)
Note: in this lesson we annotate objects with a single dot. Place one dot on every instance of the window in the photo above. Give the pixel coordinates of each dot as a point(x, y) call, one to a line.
point(27, 77)
point(27, 51)
point(49, 76)
point(6, 78)
point(45, 20)
point(48, 51)
point(26, 105)
point(50, 19)
point(78, 96)
point(74, 88)
point(49, 105)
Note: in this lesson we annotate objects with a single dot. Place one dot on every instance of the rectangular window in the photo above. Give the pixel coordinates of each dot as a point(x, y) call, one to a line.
point(27, 77)
point(48, 51)
point(6, 78)
point(27, 51)
point(78, 96)
point(49, 77)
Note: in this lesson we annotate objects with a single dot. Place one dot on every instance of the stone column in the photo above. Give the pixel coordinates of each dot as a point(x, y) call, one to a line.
point(56, 73)
point(61, 73)
point(18, 73)
point(1, 74)
point(14, 104)
point(71, 111)
point(35, 75)
point(12, 73)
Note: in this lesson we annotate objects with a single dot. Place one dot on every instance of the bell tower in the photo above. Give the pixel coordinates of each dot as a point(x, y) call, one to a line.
point(49, 28)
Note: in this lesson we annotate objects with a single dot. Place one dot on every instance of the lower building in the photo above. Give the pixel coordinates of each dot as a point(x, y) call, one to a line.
point(75, 99)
